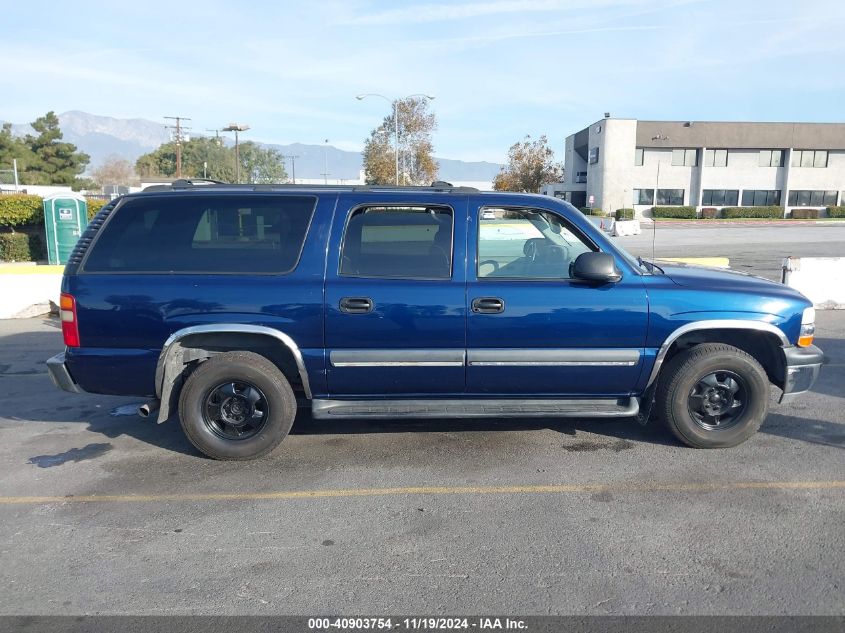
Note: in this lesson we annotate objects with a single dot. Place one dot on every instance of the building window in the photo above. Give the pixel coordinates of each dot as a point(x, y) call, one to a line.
point(580, 176)
point(643, 196)
point(684, 157)
point(809, 158)
point(716, 158)
point(761, 198)
point(594, 155)
point(801, 198)
point(670, 196)
point(720, 197)
point(638, 157)
point(771, 158)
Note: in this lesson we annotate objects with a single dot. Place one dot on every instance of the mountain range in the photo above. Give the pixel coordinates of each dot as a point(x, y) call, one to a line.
point(103, 136)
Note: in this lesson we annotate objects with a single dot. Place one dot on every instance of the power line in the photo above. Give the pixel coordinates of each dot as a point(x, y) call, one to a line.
point(177, 136)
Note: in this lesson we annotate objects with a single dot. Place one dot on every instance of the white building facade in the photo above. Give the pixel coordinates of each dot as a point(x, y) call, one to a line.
point(626, 163)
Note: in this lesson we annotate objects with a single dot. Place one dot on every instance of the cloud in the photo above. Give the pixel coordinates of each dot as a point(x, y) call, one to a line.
point(422, 13)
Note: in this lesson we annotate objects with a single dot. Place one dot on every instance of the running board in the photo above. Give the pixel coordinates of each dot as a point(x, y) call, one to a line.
point(475, 408)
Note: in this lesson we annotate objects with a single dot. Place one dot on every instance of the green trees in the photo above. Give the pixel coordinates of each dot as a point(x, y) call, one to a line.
point(43, 158)
point(205, 157)
point(531, 164)
point(416, 162)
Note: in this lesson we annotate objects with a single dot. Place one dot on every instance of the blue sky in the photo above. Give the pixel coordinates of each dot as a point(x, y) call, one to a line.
point(499, 69)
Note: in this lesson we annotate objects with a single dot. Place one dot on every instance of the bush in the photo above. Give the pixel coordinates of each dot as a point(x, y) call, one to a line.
point(753, 212)
point(804, 214)
point(624, 214)
point(593, 211)
point(685, 213)
point(709, 213)
point(94, 206)
point(836, 212)
point(19, 209)
point(21, 247)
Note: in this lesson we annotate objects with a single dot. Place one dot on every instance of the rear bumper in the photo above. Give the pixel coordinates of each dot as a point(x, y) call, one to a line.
point(802, 368)
point(60, 375)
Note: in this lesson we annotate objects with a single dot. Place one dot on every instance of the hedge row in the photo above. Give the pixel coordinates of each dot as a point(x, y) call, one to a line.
point(804, 214)
point(685, 213)
point(20, 209)
point(21, 247)
point(836, 212)
point(753, 212)
point(624, 214)
point(592, 211)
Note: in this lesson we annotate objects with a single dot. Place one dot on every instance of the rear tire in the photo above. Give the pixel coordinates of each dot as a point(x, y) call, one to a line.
point(713, 396)
point(236, 406)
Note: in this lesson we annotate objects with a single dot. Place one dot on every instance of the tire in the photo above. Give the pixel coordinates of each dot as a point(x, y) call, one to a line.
point(704, 380)
point(221, 401)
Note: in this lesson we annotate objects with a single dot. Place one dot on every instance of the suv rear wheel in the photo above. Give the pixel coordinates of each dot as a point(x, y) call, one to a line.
point(236, 406)
point(713, 396)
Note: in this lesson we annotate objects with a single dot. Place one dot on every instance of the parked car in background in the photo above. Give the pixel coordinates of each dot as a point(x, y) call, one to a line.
point(230, 305)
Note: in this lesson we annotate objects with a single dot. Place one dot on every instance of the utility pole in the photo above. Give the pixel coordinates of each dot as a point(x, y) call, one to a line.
point(177, 136)
point(326, 162)
point(216, 134)
point(292, 167)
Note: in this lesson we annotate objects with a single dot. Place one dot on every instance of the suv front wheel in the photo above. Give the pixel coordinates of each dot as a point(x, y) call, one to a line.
point(713, 396)
point(236, 406)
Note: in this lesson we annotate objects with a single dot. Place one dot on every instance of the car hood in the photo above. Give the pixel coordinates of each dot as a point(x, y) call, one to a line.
point(692, 276)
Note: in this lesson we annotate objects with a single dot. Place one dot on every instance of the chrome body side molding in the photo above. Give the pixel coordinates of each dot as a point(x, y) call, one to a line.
point(714, 324)
point(397, 358)
point(173, 356)
point(554, 357)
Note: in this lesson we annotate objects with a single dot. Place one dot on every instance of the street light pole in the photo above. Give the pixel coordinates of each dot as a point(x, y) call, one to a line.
point(395, 103)
point(237, 127)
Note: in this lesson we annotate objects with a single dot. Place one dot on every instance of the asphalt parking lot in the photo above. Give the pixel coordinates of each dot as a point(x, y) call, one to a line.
point(104, 513)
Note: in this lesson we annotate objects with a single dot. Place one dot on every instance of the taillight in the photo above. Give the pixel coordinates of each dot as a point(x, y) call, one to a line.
point(70, 326)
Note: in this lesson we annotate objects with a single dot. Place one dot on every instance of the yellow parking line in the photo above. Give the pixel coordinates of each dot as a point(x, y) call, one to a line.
point(431, 490)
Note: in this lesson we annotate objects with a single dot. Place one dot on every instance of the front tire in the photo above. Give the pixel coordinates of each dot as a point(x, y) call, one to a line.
point(236, 406)
point(713, 396)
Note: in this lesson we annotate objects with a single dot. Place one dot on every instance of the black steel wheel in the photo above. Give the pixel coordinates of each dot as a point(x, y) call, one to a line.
point(713, 395)
point(718, 400)
point(236, 406)
point(235, 410)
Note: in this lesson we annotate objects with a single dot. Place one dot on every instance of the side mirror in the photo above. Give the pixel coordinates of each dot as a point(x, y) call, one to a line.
point(596, 267)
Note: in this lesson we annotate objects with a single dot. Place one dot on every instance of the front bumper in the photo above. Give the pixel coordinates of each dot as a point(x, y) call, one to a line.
point(801, 370)
point(60, 375)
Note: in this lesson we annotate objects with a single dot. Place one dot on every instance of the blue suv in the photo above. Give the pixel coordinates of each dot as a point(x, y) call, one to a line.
point(233, 305)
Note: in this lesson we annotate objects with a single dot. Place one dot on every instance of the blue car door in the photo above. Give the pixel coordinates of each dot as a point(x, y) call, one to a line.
point(395, 304)
point(531, 328)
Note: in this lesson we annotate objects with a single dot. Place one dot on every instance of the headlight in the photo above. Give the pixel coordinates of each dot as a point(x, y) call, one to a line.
point(808, 328)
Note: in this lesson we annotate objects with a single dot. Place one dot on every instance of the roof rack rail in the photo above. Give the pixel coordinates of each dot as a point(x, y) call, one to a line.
point(439, 186)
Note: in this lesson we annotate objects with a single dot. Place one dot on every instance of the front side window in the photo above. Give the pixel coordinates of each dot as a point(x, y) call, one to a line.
point(526, 244)
point(203, 234)
point(398, 242)
point(670, 196)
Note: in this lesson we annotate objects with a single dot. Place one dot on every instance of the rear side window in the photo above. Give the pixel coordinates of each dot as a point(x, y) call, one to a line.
point(399, 242)
point(203, 234)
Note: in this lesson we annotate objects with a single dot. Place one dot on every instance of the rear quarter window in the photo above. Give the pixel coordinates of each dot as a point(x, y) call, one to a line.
point(203, 234)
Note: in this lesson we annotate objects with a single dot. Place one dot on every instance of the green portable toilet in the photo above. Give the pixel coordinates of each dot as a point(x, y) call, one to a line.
point(65, 217)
